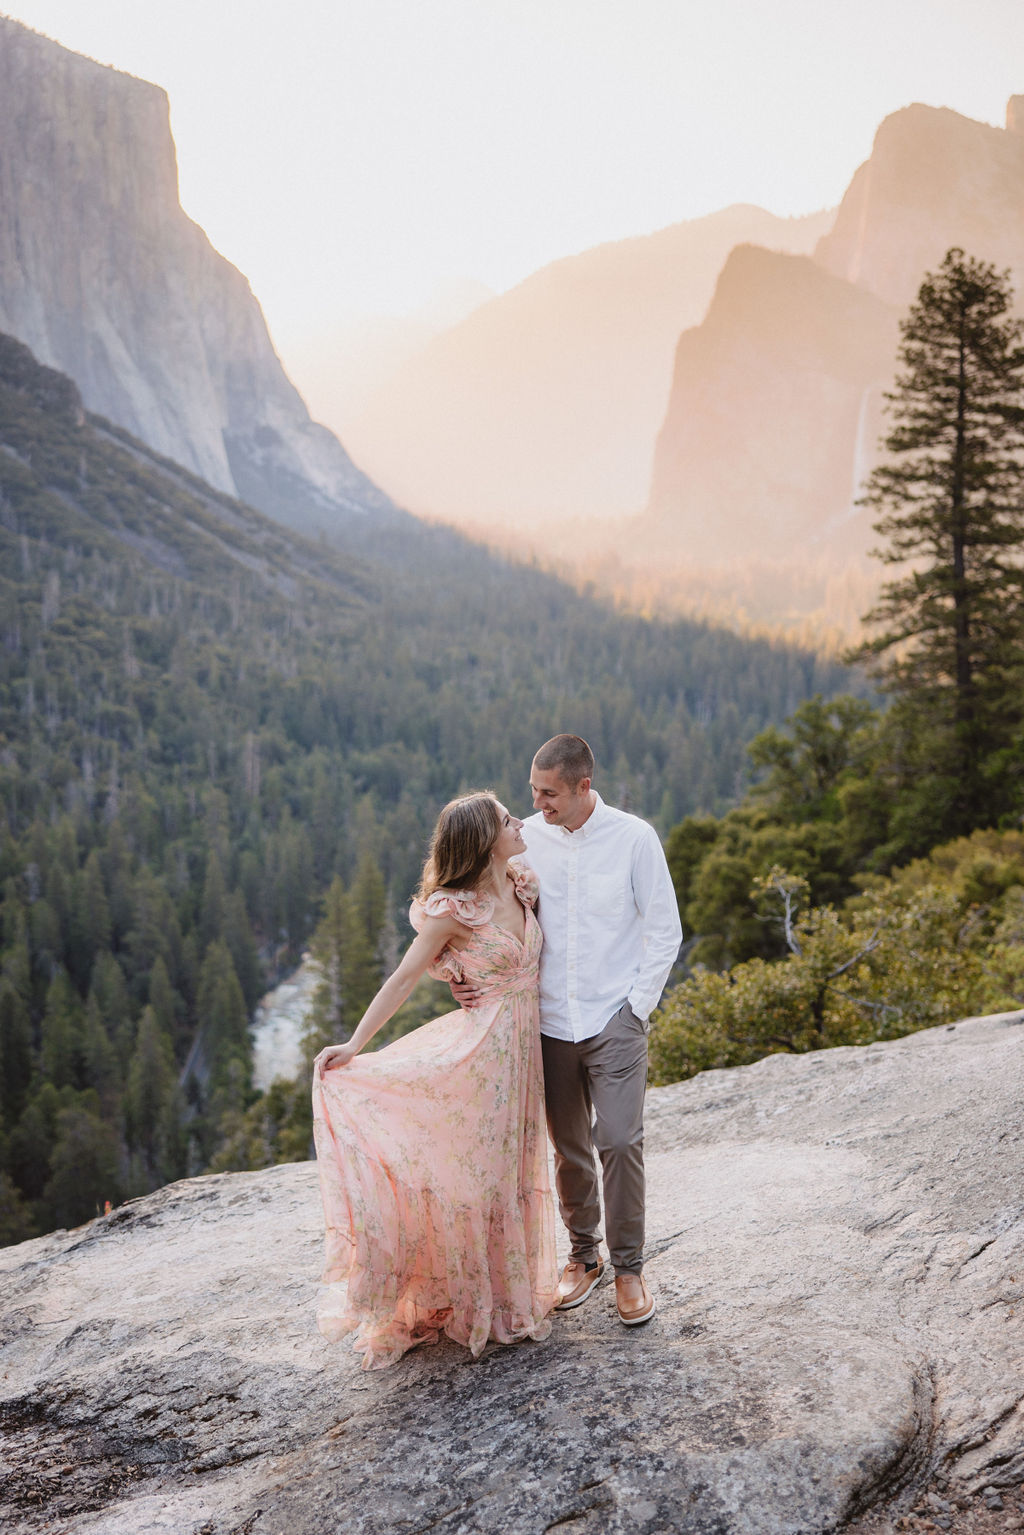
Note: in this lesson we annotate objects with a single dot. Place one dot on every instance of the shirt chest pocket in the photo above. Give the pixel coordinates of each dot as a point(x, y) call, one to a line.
point(606, 896)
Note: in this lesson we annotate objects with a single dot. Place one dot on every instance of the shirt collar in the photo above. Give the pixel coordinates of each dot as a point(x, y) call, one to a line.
point(590, 824)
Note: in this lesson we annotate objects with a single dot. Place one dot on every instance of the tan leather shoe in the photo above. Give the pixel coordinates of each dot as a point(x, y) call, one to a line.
point(633, 1299)
point(576, 1283)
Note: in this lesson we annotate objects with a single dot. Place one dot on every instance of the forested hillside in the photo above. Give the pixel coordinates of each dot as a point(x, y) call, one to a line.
point(204, 719)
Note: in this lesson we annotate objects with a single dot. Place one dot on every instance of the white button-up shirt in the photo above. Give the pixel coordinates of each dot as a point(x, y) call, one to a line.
point(609, 916)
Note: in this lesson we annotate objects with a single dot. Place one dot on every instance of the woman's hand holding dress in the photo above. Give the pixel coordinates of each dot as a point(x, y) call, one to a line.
point(335, 1055)
point(441, 931)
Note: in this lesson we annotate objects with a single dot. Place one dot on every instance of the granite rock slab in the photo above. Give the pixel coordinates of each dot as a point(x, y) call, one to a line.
point(837, 1245)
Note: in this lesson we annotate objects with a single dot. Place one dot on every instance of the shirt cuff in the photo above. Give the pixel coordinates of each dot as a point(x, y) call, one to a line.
point(642, 1007)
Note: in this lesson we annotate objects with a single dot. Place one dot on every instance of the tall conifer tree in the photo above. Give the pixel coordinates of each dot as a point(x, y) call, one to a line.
point(950, 499)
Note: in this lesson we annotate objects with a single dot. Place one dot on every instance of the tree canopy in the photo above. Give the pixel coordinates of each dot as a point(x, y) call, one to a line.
point(949, 640)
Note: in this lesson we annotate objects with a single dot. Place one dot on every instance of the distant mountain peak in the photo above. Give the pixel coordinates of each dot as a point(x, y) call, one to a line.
point(934, 179)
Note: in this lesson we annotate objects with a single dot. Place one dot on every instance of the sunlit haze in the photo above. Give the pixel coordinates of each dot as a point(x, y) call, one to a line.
point(366, 157)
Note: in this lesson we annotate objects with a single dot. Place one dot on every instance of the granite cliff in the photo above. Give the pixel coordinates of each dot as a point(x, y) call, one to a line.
point(104, 276)
point(776, 404)
point(934, 179)
point(773, 396)
point(838, 1244)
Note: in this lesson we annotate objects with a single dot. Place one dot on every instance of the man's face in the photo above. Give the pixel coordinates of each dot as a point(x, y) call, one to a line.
point(560, 803)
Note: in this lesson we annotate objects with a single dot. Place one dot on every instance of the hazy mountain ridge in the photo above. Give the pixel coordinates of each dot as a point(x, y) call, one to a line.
point(104, 276)
point(776, 405)
point(341, 368)
point(773, 424)
point(544, 402)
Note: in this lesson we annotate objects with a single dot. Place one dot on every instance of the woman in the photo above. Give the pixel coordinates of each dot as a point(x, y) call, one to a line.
point(432, 1151)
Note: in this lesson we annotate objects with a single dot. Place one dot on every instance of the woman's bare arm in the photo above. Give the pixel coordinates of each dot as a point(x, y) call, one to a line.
point(424, 949)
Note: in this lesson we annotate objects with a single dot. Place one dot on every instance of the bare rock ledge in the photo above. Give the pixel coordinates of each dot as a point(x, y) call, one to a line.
point(838, 1248)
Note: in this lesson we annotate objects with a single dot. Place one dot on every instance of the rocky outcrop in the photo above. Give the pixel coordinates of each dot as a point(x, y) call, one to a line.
point(770, 395)
point(106, 279)
point(837, 1241)
point(544, 402)
point(935, 179)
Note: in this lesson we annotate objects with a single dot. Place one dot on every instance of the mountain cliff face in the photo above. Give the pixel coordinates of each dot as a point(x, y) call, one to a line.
point(544, 403)
point(776, 407)
point(934, 180)
point(770, 396)
point(104, 276)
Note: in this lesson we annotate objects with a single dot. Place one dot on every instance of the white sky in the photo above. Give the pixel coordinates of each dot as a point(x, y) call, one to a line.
point(354, 156)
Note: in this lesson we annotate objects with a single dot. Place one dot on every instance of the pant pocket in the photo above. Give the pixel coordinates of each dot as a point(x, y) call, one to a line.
point(638, 1023)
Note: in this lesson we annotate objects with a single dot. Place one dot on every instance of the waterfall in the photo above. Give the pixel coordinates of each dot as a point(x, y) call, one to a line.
point(860, 454)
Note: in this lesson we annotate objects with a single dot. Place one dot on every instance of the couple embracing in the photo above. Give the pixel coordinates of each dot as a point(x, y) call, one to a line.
point(557, 936)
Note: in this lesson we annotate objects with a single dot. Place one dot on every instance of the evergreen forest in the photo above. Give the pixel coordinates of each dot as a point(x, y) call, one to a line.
point(220, 742)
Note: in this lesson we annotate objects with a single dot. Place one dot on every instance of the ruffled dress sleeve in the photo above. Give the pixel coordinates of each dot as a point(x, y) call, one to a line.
point(467, 907)
point(527, 883)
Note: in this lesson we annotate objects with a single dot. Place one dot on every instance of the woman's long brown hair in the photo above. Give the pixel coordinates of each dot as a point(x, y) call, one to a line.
point(463, 840)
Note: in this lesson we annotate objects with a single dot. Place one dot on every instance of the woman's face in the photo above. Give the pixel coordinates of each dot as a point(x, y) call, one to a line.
point(510, 838)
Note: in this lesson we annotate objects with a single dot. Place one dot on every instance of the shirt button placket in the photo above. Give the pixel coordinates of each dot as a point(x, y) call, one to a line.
point(572, 946)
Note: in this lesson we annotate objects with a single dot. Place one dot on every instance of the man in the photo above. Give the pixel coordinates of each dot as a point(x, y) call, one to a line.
point(611, 929)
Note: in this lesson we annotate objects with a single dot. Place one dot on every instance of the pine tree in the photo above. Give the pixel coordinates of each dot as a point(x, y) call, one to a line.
point(223, 1021)
point(166, 1003)
point(346, 945)
point(83, 1172)
point(32, 1141)
point(155, 930)
point(151, 1080)
point(100, 1068)
point(237, 934)
point(90, 919)
point(950, 499)
point(172, 1142)
point(15, 1052)
point(16, 1223)
point(61, 1034)
point(110, 990)
point(211, 918)
point(331, 1013)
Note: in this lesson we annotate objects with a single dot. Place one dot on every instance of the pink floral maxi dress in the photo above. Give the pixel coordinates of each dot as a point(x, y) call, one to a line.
point(433, 1160)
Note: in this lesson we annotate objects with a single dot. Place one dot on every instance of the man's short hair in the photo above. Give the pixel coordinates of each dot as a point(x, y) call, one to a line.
point(569, 756)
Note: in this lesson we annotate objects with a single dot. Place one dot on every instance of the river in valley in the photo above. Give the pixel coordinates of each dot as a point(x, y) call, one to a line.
point(279, 1023)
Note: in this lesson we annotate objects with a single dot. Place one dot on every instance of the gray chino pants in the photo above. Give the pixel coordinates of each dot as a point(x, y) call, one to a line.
point(594, 1092)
